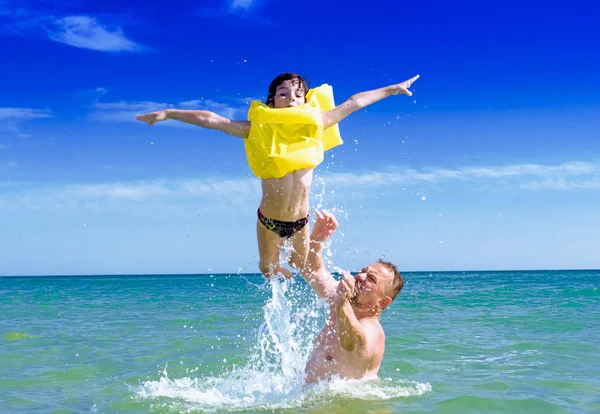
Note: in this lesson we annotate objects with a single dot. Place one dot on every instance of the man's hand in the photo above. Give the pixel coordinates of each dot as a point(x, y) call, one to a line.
point(153, 117)
point(402, 87)
point(324, 226)
point(345, 289)
point(352, 335)
point(313, 271)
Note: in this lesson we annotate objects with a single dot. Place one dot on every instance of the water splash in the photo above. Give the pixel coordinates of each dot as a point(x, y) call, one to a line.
point(280, 346)
point(273, 377)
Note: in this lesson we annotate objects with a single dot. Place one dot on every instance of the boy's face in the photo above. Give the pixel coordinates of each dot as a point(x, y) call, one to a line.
point(289, 93)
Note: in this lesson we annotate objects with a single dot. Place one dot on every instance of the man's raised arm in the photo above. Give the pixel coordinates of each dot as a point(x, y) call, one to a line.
point(315, 274)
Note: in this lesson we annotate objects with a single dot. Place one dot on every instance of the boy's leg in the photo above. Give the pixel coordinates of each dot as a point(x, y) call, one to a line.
point(301, 243)
point(269, 244)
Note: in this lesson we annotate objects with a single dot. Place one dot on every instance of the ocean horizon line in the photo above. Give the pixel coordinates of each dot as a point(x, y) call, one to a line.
point(221, 274)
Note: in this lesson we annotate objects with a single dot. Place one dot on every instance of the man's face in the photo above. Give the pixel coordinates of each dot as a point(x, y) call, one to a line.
point(372, 285)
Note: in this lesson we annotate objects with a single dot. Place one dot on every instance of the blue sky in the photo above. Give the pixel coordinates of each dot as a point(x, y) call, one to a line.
point(494, 163)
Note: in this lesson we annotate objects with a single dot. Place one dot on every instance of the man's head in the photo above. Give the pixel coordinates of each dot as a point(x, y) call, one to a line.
point(287, 89)
point(376, 286)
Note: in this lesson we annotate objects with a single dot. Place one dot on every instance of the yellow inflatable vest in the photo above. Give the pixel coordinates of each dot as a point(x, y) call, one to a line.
point(288, 139)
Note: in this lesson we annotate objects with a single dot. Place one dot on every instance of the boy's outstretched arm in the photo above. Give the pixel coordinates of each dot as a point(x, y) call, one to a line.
point(363, 99)
point(205, 119)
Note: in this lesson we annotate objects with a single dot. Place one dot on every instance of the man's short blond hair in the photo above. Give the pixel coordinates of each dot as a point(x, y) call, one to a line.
point(397, 283)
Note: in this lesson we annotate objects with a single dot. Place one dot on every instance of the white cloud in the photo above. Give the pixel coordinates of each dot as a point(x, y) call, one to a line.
point(90, 95)
point(163, 194)
point(124, 111)
point(23, 113)
point(131, 191)
point(85, 32)
point(142, 190)
point(244, 12)
point(562, 175)
point(131, 106)
point(171, 194)
point(210, 105)
point(228, 8)
point(563, 184)
point(11, 118)
point(235, 5)
point(75, 30)
point(533, 169)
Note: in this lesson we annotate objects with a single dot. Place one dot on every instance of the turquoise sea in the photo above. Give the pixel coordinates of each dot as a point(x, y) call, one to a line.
point(457, 342)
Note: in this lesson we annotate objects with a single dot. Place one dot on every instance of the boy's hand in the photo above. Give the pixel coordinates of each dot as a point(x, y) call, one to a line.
point(402, 87)
point(153, 117)
point(279, 269)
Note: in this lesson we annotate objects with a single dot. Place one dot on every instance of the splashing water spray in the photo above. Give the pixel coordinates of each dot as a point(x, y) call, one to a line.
point(273, 377)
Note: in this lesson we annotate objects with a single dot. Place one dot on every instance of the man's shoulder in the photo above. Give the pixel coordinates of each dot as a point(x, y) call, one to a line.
point(370, 321)
point(374, 341)
point(373, 328)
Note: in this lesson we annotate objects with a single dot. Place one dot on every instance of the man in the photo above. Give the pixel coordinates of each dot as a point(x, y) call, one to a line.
point(352, 343)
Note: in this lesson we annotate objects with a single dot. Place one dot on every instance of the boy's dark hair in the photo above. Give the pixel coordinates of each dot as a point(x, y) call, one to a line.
point(294, 77)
